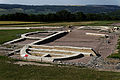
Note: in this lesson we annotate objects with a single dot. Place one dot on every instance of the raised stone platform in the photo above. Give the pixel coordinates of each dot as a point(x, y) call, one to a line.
point(54, 53)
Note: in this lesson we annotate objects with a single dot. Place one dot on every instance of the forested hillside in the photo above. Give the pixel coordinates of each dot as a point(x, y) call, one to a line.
point(44, 9)
point(62, 15)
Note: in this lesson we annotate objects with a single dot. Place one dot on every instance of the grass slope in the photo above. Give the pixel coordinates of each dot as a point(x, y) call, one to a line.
point(9, 71)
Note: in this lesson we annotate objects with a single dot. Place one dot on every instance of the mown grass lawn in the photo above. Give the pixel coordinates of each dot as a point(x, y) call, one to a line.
point(9, 71)
point(38, 24)
point(7, 35)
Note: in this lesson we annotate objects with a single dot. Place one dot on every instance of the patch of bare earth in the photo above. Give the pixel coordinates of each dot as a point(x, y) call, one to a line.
point(31, 63)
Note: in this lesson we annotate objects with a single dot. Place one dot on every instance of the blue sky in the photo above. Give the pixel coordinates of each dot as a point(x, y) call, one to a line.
point(62, 2)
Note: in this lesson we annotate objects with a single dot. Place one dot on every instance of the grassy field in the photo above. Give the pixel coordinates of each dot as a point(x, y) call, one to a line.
point(7, 35)
point(36, 24)
point(9, 71)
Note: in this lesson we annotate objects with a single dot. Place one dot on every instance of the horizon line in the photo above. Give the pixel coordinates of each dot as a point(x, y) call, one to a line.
point(60, 4)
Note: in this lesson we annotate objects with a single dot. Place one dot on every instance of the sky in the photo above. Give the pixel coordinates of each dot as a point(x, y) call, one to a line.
point(61, 2)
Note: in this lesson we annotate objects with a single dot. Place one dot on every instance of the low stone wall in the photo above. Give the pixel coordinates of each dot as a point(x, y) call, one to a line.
point(23, 51)
point(75, 52)
point(14, 52)
point(24, 36)
point(50, 38)
point(96, 34)
point(52, 59)
point(95, 27)
point(94, 54)
point(68, 57)
point(57, 35)
point(40, 27)
point(15, 40)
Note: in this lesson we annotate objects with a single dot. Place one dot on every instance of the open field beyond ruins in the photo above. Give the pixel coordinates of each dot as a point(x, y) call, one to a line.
point(37, 24)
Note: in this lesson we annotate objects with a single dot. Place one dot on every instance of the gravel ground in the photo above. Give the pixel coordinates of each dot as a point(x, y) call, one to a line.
point(42, 35)
point(24, 42)
point(115, 24)
point(78, 38)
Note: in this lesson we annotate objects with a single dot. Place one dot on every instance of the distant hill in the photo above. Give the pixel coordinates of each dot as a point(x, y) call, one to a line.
point(44, 9)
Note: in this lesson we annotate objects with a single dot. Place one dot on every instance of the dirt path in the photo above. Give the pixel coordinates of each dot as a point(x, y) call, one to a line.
point(6, 28)
point(31, 63)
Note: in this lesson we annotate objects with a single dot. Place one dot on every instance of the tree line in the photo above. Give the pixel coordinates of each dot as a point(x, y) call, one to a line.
point(63, 15)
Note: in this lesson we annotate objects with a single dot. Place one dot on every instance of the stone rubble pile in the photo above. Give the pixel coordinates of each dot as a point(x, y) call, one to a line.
point(95, 62)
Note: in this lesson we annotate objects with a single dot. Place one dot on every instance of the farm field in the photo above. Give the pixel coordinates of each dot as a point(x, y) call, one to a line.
point(9, 71)
point(37, 24)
